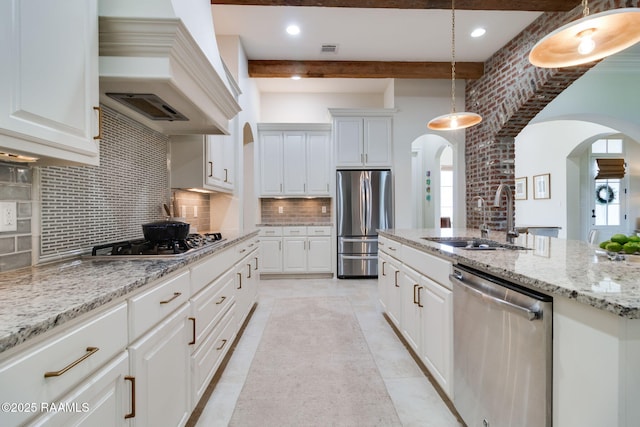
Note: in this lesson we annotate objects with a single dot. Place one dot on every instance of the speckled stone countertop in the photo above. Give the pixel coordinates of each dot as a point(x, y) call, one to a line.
point(37, 299)
point(567, 268)
point(297, 224)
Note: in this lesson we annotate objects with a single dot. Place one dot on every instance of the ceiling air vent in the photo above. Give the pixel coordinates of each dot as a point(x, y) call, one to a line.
point(329, 48)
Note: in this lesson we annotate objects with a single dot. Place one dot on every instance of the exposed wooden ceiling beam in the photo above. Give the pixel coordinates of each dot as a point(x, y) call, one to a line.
point(364, 69)
point(515, 5)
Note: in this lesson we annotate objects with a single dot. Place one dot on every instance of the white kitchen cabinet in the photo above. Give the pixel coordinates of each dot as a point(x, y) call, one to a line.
point(97, 402)
point(203, 161)
point(49, 80)
point(295, 160)
point(437, 332)
point(296, 249)
point(160, 364)
point(363, 141)
point(422, 307)
point(63, 362)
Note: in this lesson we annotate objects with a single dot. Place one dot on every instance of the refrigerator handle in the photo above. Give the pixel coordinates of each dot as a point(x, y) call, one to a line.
point(369, 206)
point(363, 203)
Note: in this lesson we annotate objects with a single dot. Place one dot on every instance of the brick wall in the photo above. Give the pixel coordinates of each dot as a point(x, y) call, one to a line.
point(295, 210)
point(508, 96)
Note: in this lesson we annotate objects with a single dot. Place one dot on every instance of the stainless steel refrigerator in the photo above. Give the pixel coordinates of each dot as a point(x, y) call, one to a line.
point(364, 204)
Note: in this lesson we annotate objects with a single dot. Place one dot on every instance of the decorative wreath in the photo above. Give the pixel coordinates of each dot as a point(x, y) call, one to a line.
point(604, 194)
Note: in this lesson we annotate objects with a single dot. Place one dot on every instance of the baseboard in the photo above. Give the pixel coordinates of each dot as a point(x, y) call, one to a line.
point(280, 276)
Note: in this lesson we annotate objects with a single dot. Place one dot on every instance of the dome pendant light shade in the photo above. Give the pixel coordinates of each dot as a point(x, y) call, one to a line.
point(588, 39)
point(454, 120)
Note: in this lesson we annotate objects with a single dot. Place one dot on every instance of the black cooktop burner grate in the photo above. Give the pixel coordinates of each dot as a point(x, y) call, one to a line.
point(145, 247)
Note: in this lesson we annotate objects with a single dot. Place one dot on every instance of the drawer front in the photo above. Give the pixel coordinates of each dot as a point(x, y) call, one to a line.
point(244, 248)
point(152, 306)
point(206, 360)
point(294, 231)
point(431, 266)
point(271, 231)
point(211, 303)
point(210, 269)
point(389, 246)
point(67, 358)
point(318, 231)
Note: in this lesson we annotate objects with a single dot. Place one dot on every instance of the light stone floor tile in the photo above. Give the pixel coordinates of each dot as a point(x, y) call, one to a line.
point(415, 399)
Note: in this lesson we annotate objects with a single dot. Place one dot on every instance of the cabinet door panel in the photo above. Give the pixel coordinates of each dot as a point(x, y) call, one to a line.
point(49, 78)
point(295, 159)
point(271, 163)
point(271, 254)
point(295, 254)
point(411, 325)
point(318, 163)
point(349, 137)
point(377, 141)
point(319, 254)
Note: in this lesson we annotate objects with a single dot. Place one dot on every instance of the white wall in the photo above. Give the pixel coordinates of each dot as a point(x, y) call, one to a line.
point(417, 102)
point(312, 107)
point(543, 148)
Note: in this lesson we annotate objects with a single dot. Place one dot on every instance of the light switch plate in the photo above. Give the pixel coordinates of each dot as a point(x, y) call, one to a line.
point(8, 213)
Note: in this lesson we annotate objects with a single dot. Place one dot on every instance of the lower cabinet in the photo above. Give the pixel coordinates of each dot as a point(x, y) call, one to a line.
point(160, 364)
point(296, 249)
point(96, 402)
point(420, 305)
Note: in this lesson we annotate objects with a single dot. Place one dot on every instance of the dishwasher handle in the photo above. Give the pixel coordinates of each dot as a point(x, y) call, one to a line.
point(513, 308)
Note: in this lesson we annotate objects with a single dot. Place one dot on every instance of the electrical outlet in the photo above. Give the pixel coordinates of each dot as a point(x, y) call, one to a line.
point(324, 209)
point(183, 211)
point(195, 212)
point(8, 220)
point(280, 209)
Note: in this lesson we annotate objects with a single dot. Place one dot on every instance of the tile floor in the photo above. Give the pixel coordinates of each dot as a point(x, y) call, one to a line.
point(415, 399)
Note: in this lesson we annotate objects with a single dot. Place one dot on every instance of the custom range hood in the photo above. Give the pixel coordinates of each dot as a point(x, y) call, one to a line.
point(160, 65)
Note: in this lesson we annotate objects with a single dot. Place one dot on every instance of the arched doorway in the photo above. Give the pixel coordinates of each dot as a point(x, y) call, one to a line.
point(436, 184)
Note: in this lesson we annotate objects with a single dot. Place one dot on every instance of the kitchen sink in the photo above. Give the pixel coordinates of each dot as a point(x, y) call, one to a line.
point(474, 243)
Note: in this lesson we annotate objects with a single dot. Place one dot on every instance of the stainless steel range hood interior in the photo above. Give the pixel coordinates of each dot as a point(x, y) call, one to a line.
point(155, 61)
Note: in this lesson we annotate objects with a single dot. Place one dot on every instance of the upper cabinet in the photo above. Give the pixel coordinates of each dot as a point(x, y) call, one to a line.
point(363, 138)
point(203, 162)
point(295, 160)
point(49, 80)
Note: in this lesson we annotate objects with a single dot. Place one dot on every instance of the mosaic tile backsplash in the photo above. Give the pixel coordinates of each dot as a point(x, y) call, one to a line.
point(295, 210)
point(16, 186)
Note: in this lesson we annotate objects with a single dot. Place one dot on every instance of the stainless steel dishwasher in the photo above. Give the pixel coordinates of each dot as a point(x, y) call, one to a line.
point(502, 350)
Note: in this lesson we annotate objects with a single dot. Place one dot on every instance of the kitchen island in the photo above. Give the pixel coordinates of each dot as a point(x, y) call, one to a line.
point(596, 320)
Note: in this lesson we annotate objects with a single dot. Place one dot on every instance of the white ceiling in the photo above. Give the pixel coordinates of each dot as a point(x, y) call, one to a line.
point(362, 35)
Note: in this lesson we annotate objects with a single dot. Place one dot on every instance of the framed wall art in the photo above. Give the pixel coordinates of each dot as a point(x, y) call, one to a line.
point(521, 188)
point(542, 186)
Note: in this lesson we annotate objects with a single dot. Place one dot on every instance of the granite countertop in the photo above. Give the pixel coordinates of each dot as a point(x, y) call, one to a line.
point(567, 268)
point(37, 299)
point(296, 224)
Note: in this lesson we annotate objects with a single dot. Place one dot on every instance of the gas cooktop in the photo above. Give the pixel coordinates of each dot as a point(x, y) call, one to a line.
point(146, 249)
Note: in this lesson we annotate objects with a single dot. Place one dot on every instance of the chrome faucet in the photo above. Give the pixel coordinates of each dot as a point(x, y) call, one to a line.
point(484, 228)
point(511, 231)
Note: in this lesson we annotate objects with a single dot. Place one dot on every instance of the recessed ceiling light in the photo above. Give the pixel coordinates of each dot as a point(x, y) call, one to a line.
point(293, 30)
point(478, 32)
point(295, 77)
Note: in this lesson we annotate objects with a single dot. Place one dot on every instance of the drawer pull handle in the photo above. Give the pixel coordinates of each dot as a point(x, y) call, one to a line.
point(381, 243)
point(193, 335)
point(90, 351)
point(240, 278)
point(224, 342)
point(210, 169)
point(419, 302)
point(383, 264)
point(133, 397)
point(99, 135)
point(243, 251)
point(251, 245)
point(392, 248)
point(414, 293)
point(222, 298)
point(175, 295)
point(249, 271)
point(226, 175)
point(396, 278)
point(256, 267)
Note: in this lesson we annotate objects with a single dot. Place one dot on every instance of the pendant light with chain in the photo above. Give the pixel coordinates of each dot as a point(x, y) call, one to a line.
point(454, 120)
point(588, 39)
